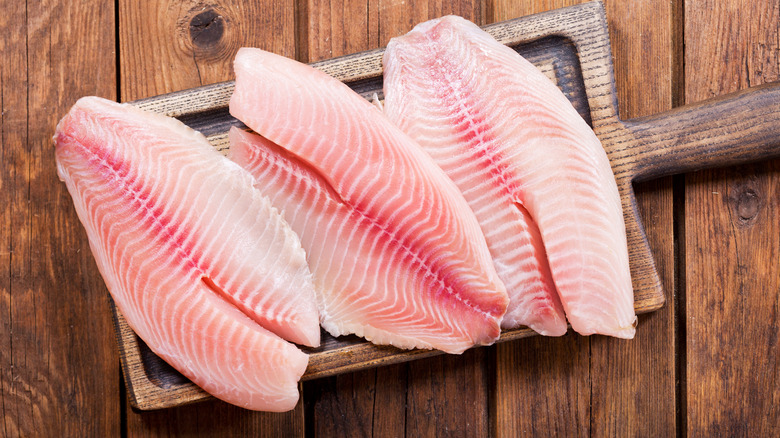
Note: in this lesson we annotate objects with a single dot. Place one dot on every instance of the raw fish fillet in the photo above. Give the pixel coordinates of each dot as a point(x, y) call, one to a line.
point(533, 171)
point(397, 255)
point(203, 268)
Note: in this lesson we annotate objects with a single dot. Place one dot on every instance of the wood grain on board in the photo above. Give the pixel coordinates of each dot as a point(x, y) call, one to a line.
point(604, 386)
point(57, 357)
point(732, 237)
point(167, 46)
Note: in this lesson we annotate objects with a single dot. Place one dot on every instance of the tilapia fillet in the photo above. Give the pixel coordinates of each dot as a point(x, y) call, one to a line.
point(203, 268)
point(532, 170)
point(397, 255)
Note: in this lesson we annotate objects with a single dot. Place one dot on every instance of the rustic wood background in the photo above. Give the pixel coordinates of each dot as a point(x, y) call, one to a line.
point(707, 364)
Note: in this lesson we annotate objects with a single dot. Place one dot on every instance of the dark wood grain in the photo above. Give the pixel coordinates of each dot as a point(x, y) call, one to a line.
point(735, 128)
point(214, 418)
point(449, 395)
point(328, 29)
point(541, 386)
point(194, 44)
point(364, 403)
point(632, 382)
point(506, 9)
point(593, 385)
point(732, 237)
point(55, 364)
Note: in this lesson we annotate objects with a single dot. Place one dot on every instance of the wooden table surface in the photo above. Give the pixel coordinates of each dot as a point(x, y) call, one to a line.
point(706, 364)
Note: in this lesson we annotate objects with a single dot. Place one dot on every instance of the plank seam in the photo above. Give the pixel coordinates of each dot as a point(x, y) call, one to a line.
point(118, 76)
point(678, 231)
point(6, 416)
point(680, 357)
point(301, 35)
point(590, 389)
point(407, 372)
point(122, 406)
point(117, 59)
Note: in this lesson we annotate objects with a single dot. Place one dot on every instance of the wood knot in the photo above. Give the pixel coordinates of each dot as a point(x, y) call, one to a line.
point(745, 203)
point(206, 29)
point(205, 33)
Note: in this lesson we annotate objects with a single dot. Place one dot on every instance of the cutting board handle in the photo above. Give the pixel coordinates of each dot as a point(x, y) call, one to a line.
point(732, 129)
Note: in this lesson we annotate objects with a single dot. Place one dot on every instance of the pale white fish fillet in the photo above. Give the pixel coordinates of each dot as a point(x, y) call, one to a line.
point(406, 262)
point(192, 254)
point(532, 170)
point(366, 283)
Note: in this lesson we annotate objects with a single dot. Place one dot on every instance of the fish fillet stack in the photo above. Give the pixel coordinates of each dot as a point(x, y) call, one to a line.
point(478, 200)
point(397, 255)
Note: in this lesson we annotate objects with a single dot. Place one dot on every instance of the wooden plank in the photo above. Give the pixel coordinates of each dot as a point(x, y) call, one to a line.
point(590, 386)
point(624, 401)
point(55, 365)
point(168, 45)
point(339, 28)
point(329, 29)
point(217, 419)
point(507, 9)
point(732, 237)
point(542, 386)
point(365, 403)
point(448, 395)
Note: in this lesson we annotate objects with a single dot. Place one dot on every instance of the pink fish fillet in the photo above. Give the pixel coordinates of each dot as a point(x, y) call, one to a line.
point(397, 255)
point(203, 268)
point(532, 170)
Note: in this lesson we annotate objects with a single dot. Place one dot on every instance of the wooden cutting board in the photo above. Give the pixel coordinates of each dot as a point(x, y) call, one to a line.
point(571, 46)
